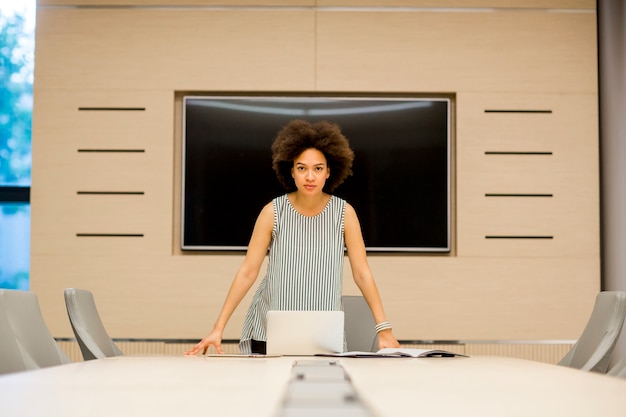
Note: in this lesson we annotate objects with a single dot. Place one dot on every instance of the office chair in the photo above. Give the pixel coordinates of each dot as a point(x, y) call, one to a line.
point(359, 324)
point(92, 337)
point(36, 344)
point(592, 351)
point(11, 358)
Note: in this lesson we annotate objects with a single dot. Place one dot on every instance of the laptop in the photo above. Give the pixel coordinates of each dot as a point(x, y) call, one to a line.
point(304, 333)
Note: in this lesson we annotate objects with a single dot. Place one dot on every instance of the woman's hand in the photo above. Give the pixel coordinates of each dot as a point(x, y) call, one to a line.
point(213, 339)
point(387, 340)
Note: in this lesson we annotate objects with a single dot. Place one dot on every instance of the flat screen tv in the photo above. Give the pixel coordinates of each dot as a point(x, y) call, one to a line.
point(400, 187)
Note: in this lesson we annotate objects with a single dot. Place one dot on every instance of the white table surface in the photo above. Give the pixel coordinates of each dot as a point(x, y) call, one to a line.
point(178, 385)
point(485, 386)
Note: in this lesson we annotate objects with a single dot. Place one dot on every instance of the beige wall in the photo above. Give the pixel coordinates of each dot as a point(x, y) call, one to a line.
point(523, 55)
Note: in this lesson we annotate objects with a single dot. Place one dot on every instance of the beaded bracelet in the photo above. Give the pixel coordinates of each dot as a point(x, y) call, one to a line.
point(384, 325)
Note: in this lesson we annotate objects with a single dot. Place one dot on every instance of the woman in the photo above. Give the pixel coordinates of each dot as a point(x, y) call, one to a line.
point(305, 232)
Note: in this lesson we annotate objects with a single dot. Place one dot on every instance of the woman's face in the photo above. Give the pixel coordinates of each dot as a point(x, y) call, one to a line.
point(310, 171)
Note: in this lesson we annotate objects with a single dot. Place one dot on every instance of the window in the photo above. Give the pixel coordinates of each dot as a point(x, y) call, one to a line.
point(17, 39)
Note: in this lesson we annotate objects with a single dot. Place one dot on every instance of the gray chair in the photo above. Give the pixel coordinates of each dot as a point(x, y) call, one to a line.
point(92, 337)
point(37, 346)
point(592, 351)
point(359, 324)
point(11, 358)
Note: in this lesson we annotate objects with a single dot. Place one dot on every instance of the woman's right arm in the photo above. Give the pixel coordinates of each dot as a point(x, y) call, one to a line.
point(244, 278)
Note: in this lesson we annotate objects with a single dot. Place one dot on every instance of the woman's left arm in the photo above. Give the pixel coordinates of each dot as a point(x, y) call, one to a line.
point(363, 276)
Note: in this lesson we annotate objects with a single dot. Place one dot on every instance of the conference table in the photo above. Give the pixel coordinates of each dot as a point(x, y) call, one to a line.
point(239, 386)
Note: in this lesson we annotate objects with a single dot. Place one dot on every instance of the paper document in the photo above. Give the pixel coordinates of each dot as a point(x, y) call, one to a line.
point(396, 353)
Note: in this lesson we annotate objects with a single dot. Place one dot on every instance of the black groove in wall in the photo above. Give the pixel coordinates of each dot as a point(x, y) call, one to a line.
point(109, 234)
point(113, 150)
point(518, 152)
point(517, 111)
point(111, 109)
point(516, 195)
point(519, 237)
point(110, 192)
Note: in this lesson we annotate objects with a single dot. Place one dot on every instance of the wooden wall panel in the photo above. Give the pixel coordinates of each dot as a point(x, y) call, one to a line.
point(125, 155)
point(466, 4)
point(187, 3)
point(145, 57)
point(430, 298)
point(174, 49)
point(106, 119)
point(427, 298)
point(543, 122)
point(140, 294)
point(529, 167)
point(459, 51)
point(540, 4)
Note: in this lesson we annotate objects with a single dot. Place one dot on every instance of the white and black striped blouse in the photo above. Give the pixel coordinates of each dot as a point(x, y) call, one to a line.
point(305, 268)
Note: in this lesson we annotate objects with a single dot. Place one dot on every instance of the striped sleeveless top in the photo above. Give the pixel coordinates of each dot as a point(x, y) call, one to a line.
point(305, 268)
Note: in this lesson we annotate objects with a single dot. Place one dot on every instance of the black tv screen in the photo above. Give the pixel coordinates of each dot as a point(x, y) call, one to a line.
point(400, 187)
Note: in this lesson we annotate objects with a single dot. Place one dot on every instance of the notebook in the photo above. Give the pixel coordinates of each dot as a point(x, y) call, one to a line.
point(303, 333)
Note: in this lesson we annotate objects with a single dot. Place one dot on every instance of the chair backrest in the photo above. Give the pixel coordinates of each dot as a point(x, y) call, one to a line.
point(38, 347)
point(92, 337)
point(592, 351)
point(11, 358)
point(359, 324)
